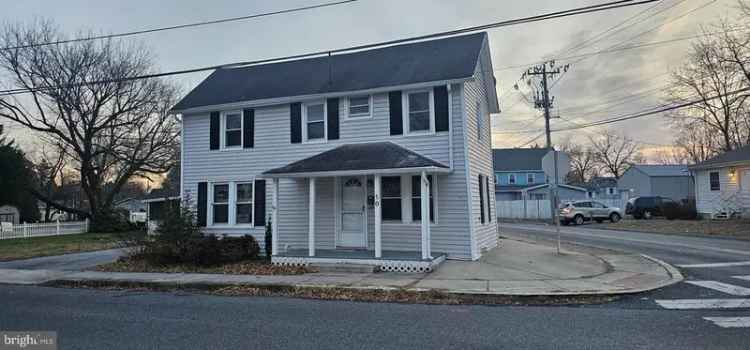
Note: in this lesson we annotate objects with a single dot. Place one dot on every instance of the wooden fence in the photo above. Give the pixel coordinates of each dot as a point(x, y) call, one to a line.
point(10, 231)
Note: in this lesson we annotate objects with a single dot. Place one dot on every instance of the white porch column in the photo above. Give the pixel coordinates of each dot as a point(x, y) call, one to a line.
point(425, 199)
point(378, 217)
point(275, 218)
point(311, 222)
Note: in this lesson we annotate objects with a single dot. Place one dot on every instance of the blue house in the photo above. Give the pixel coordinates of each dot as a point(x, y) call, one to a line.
point(519, 174)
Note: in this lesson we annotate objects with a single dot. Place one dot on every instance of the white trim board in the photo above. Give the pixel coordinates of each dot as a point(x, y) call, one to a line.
point(696, 304)
point(744, 278)
point(722, 287)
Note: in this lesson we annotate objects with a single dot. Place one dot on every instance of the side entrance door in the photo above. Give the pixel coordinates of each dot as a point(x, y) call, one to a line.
point(353, 205)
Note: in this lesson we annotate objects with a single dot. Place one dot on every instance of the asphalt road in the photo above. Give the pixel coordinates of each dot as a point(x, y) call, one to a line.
point(101, 319)
point(96, 319)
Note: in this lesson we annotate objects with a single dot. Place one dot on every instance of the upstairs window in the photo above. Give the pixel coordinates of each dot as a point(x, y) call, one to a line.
point(512, 179)
point(221, 204)
point(314, 121)
point(359, 107)
point(714, 181)
point(530, 178)
point(391, 202)
point(232, 129)
point(419, 112)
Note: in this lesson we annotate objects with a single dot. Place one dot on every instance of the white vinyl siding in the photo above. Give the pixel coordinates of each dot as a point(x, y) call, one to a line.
point(480, 153)
point(272, 149)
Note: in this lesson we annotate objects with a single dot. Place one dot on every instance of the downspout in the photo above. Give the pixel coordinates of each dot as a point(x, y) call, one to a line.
point(450, 127)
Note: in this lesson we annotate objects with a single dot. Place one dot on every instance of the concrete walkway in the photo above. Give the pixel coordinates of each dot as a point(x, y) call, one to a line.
point(514, 268)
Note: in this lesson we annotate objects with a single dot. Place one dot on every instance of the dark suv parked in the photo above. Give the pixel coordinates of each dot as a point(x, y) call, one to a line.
point(647, 207)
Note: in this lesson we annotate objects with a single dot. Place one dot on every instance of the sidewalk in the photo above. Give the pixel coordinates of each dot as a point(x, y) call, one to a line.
point(515, 268)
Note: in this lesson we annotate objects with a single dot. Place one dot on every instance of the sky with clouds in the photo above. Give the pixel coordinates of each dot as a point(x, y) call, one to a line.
point(592, 89)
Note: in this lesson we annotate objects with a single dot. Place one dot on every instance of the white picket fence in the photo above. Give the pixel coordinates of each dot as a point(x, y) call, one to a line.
point(9, 231)
point(540, 208)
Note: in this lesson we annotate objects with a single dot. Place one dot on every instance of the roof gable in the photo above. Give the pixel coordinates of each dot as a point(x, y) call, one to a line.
point(656, 170)
point(513, 159)
point(427, 61)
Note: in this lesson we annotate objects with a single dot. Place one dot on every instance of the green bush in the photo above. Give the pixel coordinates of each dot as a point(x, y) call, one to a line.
point(179, 240)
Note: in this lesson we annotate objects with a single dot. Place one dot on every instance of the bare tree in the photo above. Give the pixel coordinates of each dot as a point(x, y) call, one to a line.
point(48, 170)
point(582, 162)
point(613, 153)
point(716, 68)
point(85, 97)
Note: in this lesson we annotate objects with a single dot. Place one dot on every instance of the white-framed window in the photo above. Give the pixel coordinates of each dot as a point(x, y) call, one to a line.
point(530, 178)
point(245, 193)
point(231, 129)
point(714, 182)
point(419, 112)
point(314, 123)
point(611, 190)
point(359, 107)
point(512, 179)
point(231, 203)
point(497, 179)
point(220, 203)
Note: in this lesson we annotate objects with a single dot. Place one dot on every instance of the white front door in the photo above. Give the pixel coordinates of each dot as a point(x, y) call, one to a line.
point(353, 205)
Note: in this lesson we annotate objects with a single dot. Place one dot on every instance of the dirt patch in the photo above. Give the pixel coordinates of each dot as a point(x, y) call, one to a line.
point(249, 267)
point(343, 294)
point(739, 229)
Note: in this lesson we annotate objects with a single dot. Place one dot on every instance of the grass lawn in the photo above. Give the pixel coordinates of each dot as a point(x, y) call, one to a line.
point(22, 248)
point(739, 229)
point(249, 267)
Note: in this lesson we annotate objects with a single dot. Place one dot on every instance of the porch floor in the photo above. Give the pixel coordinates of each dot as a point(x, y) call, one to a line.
point(361, 254)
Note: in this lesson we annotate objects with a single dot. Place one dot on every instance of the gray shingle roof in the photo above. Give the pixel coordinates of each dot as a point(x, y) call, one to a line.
point(510, 159)
point(663, 170)
point(739, 155)
point(360, 156)
point(162, 193)
point(427, 61)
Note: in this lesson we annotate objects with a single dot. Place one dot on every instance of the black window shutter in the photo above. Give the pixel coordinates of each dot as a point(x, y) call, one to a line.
point(202, 203)
point(333, 118)
point(260, 203)
point(248, 128)
point(489, 201)
point(441, 108)
point(296, 122)
point(394, 106)
point(481, 199)
point(214, 133)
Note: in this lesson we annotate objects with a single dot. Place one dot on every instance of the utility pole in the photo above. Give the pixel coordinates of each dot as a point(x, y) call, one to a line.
point(543, 101)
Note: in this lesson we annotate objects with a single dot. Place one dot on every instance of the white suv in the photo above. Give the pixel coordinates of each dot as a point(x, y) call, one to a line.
point(579, 212)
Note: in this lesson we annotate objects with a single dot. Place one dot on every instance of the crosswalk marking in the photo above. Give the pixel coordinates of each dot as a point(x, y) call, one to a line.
point(727, 264)
point(722, 287)
point(730, 322)
point(692, 304)
point(746, 278)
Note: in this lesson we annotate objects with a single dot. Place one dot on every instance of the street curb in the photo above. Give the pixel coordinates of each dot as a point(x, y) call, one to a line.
point(673, 271)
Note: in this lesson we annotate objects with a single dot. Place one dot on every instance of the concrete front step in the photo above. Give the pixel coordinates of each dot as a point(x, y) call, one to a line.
point(344, 268)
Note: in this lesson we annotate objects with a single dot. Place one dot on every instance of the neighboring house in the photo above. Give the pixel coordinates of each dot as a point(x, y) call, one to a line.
point(10, 213)
point(520, 174)
point(605, 187)
point(155, 203)
point(382, 156)
point(671, 181)
point(722, 184)
point(132, 205)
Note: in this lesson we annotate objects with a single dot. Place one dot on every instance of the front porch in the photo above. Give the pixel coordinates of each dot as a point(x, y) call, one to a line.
point(342, 193)
point(390, 260)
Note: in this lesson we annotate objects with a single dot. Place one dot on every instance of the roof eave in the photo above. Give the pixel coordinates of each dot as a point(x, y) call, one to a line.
point(392, 171)
point(718, 165)
point(291, 99)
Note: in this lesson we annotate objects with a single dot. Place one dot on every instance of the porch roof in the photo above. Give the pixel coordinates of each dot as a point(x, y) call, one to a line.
point(360, 158)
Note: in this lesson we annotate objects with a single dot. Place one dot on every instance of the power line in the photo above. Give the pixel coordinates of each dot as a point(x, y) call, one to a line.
point(179, 26)
point(559, 14)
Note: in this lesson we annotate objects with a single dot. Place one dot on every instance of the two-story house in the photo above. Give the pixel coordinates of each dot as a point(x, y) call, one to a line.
point(382, 156)
point(520, 174)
